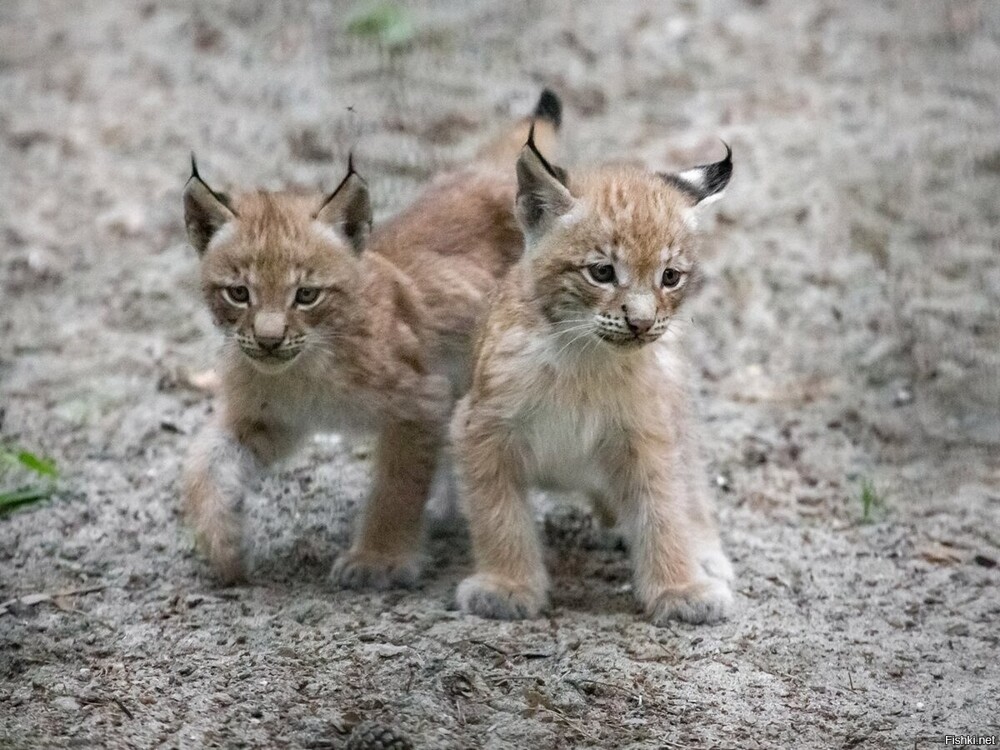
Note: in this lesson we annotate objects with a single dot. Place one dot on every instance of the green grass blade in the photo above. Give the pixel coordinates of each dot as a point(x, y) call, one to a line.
point(872, 503)
point(23, 496)
point(386, 22)
point(41, 466)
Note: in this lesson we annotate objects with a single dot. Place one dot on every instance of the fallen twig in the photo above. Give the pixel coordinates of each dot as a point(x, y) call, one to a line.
point(122, 706)
point(490, 646)
point(572, 723)
point(30, 600)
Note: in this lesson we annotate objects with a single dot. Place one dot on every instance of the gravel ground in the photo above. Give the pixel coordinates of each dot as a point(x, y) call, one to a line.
point(848, 336)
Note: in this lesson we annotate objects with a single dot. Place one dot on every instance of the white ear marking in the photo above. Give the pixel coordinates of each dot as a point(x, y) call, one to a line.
point(574, 217)
point(705, 182)
point(712, 198)
point(224, 234)
point(694, 177)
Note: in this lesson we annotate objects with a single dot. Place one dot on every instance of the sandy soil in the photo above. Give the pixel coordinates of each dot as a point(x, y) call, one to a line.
point(848, 333)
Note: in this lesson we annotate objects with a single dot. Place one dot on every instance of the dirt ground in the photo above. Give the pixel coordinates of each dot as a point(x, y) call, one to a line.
point(848, 336)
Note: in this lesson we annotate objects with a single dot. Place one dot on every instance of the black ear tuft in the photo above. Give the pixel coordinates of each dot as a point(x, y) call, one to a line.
point(220, 196)
point(351, 171)
point(205, 210)
point(717, 175)
point(542, 190)
point(704, 181)
point(348, 208)
point(549, 108)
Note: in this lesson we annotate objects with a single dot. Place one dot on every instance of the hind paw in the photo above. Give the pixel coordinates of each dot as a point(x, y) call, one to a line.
point(489, 597)
point(366, 570)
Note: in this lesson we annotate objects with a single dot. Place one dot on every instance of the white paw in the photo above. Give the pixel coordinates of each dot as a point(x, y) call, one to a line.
point(366, 570)
point(487, 596)
point(717, 565)
point(704, 601)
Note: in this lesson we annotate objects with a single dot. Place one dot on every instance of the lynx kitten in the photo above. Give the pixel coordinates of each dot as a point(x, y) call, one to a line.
point(328, 329)
point(575, 387)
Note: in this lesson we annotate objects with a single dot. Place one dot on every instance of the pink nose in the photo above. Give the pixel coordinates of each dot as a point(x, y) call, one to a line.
point(269, 343)
point(639, 326)
point(269, 329)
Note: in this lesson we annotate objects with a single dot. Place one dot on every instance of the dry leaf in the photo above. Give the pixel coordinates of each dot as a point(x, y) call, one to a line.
point(939, 554)
point(203, 381)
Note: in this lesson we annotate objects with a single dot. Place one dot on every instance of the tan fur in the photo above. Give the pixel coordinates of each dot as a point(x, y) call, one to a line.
point(386, 348)
point(507, 144)
point(565, 395)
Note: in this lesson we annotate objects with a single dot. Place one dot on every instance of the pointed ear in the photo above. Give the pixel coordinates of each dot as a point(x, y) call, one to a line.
point(205, 210)
point(348, 209)
point(704, 183)
point(542, 192)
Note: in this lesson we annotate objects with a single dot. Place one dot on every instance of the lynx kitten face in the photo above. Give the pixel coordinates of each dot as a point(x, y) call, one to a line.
point(280, 274)
point(619, 257)
point(576, 389)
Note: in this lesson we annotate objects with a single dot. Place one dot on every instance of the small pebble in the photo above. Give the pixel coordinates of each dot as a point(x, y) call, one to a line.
point(66, 703)
point(902, 397)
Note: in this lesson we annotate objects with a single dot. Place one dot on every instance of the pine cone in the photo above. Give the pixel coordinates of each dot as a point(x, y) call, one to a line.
point(568, 527)
point(373, 736)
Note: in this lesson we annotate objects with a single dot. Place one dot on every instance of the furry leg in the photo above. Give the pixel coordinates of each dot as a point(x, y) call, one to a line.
point(223, 460)
point(510, 580)
point(666, 545)
point(386, 548)
point(218, 468)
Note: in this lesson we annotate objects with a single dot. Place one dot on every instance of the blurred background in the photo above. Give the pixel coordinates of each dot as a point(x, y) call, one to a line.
point(847, 343)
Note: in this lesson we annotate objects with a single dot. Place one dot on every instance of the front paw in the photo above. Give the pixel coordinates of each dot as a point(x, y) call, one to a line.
point(371, 570)
point(705, 601)
point(488, 596)
point(717, 565)
point(225, 555)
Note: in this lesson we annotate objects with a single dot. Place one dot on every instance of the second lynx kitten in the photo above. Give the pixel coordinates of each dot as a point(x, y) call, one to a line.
point(576, 388)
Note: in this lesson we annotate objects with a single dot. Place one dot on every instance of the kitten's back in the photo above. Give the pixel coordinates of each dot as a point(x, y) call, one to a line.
point(460, 235)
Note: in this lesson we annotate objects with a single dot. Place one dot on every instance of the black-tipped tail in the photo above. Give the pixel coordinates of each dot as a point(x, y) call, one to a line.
point(549, 108)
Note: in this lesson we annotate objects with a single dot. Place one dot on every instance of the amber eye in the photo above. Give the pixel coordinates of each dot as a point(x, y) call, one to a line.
point(236, 295)
point(602, 273)
point(307, 295)
point(671, 278)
